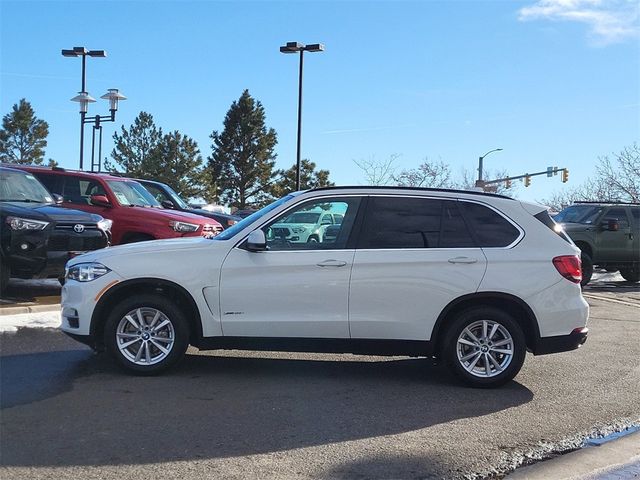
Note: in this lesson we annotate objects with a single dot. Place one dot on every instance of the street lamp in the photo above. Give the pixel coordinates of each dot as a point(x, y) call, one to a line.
point(480, 164)
point(294, 47)
point(83, 52)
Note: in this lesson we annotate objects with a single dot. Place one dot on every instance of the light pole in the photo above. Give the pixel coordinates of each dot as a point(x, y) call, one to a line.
point(480, 160)
point(83, 52)
point(293, 47)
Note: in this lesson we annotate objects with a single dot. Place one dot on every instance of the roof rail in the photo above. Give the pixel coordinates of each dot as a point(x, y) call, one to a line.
point(581, 202)
point(422, 189)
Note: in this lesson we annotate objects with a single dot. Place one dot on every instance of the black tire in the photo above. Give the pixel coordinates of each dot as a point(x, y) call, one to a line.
point(5, 274)
point(150, 302)
point(472, 317)
point(630, 275)
point(313, 239)
point(587, 268)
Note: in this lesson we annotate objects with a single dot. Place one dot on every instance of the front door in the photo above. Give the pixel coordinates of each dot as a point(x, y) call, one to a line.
point(299, 286)
point(615, 246)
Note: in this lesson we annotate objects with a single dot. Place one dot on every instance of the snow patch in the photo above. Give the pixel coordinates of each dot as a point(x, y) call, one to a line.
point(11, 323)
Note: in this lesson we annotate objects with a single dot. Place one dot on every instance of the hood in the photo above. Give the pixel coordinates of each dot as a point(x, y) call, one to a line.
point(48, 212)
point(178, 215)
point(145, 248)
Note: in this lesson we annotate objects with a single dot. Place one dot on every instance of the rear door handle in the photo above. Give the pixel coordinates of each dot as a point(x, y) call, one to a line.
point(332, 263)
point(463, 260)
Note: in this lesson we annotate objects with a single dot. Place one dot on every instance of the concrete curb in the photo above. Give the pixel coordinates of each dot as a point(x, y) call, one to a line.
point(586, 463)
point(29, 309)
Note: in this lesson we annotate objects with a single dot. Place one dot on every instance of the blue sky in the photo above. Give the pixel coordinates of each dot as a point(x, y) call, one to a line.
point(552, 82)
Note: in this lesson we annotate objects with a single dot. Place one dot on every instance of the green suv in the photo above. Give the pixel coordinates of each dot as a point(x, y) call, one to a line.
point(608, 234)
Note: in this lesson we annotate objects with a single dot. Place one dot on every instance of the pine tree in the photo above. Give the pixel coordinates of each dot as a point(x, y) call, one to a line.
point(133, 146)
point(240, 167)
point(176, 161)
point(309, 178)
point(23, 136)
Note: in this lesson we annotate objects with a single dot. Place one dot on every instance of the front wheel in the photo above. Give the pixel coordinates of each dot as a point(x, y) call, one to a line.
point(485, 347)
point(146, 334)
point(630, 275)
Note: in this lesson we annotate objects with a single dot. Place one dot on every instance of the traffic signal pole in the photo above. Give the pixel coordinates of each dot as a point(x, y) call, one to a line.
point(527, 177)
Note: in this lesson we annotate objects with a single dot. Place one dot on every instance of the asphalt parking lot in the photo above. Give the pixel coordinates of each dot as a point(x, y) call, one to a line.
point(67, 413)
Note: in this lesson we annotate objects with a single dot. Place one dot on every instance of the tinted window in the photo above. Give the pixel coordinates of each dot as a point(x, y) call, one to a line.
point(400, 222)
point(52, 183)
point(617, 214)
point(635, 213)
point(489, 227)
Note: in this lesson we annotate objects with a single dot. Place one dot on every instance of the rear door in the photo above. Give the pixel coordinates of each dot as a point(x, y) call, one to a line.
point(414, 256)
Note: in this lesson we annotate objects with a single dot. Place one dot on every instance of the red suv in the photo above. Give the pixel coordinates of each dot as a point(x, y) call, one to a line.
point(136, 214)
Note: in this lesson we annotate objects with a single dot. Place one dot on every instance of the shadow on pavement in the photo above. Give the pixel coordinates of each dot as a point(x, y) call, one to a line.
point(424, 467)
point(222, 406)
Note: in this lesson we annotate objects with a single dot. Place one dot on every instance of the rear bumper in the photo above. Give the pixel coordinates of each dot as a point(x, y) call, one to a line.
point(561, 343)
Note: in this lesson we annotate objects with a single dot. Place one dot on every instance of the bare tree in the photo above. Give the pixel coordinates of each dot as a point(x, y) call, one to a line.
point(378, 171)
point(616, 180)
point(427, 174)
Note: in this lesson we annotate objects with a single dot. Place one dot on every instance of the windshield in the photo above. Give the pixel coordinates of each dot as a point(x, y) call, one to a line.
point(175, 198)
point(22, 187)
point(586, 214)
point(132, 194)
point(242, 224)
point(302, 217)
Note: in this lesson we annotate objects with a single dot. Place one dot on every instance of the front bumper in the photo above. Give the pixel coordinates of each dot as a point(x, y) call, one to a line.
point(561, 343)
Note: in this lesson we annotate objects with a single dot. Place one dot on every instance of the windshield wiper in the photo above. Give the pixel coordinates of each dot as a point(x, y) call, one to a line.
point(25, 200)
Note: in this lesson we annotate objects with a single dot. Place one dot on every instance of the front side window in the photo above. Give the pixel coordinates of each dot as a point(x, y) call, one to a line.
point(405, 222)
point(309, 226)
point(618, 215)
point(585, 214)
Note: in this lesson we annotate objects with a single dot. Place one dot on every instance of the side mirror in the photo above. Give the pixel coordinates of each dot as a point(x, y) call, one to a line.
point(256, 241)
point(167, 204)
point(57, 199)
point(99, 201)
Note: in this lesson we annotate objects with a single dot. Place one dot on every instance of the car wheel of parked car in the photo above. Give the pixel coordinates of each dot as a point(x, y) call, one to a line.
point(4, 276)
point(313, 239)
point(630, 275)
point(146, 334)
point(485, 347)
point(587, 268)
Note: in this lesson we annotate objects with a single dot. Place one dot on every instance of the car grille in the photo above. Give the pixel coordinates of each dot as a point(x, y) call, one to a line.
point(281, 232)
point(212, 230)
point(71, 243)
point(65, 238)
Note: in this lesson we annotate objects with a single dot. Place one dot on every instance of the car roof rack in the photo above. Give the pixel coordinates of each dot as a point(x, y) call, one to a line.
point(422, 189)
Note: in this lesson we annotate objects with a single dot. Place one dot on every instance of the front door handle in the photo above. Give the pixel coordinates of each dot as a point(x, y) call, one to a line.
point(463, 260)
point(332, 263)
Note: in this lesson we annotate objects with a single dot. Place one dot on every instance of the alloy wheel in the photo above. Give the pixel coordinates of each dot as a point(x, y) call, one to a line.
point(485, 348)
point(145, 336)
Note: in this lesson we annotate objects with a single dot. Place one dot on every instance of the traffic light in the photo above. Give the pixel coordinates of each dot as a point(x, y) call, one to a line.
point(527, 181)
point(565, 175)
point(507, 183)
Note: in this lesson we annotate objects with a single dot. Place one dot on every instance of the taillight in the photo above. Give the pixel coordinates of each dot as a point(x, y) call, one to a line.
point(569, 267)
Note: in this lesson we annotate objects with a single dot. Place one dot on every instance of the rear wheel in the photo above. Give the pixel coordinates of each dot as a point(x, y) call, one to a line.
point(146, 334)
point(485, 347)
point(630, 275)
point(587, 268)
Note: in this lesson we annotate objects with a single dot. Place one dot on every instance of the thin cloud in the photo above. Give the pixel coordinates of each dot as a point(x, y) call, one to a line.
point(609, 21)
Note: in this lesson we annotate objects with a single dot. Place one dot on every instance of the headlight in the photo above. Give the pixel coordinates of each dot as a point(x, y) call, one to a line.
point(85, 272)
point(184, 227)
point(105, 224)
point(298, 229)
point(17, 223)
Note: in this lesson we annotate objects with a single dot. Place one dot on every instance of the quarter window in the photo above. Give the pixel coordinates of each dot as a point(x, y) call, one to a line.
point(403, 222)
point(489, 227)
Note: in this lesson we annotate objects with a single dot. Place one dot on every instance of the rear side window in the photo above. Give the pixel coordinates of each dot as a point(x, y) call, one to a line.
point(401, 222)
point(489, 227)
point(545, 218)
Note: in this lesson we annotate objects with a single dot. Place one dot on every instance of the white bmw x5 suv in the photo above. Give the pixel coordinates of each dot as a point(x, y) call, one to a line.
point(474, 279)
